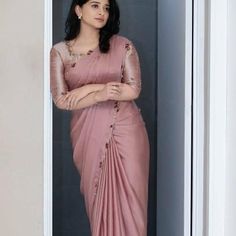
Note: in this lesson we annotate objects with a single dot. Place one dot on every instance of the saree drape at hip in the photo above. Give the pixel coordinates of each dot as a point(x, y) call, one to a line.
point(109, 139)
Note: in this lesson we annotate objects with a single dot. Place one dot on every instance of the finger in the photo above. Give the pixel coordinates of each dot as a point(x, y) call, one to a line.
point(115, 93)
point(74, 100)
point(115, 90)
point(113, 97)
point(113, 87)
point(114, 84)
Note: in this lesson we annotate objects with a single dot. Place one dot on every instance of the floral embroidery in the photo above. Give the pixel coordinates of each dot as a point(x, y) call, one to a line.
point(122, 74)
point(75, 56)
point(130, 79)
point(99, 171)
point(127, 46)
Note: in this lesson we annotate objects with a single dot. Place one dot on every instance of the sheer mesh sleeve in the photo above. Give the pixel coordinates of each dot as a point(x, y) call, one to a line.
point(131, 68)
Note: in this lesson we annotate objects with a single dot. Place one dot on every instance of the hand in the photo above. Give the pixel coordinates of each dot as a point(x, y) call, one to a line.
point(111, 91)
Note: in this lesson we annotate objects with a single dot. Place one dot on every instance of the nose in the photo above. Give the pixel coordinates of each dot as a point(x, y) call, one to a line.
point(102, 12)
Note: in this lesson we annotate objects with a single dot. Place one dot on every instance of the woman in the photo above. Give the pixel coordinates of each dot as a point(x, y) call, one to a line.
point(96, 74)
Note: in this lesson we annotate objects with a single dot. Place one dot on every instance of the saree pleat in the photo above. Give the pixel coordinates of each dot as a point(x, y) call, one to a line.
point(113, 214)
point(118, 208)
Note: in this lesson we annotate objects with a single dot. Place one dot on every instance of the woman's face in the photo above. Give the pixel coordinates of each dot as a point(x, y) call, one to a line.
point(94, 13)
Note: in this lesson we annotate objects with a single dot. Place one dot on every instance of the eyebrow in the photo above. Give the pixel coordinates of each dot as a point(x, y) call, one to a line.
point(98, 3)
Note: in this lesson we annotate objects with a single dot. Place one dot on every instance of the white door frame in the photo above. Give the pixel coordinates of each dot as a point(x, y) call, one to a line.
point(198, 125)
point(188, 116)
point(47, 211)
point(209, 117)
point(216, 126)
point(199, 106)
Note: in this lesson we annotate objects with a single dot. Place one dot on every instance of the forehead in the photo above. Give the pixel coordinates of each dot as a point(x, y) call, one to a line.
point(103, 2)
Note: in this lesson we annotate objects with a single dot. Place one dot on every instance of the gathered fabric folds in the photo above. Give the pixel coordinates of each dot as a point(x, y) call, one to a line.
point(117, 208)
point(109, 139)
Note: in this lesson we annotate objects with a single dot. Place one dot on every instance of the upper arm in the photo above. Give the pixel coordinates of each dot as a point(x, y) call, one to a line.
point(58, 84)
point(131, 68)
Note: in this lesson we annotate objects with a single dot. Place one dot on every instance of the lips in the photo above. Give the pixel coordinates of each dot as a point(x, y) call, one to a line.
point(100, 19)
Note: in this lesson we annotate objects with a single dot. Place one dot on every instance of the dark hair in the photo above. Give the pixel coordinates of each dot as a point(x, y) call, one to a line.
point(72, 25)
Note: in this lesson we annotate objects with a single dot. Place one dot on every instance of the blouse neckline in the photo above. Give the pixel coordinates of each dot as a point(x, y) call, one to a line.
point(79, 55)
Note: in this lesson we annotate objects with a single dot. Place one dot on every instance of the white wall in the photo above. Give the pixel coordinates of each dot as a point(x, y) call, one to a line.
point(230, 200)
point(21, 118)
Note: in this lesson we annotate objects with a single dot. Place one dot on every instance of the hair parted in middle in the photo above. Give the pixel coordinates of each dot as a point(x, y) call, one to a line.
point(72, 25)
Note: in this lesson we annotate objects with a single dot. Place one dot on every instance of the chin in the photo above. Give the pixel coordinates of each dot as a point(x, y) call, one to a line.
point(99, 26)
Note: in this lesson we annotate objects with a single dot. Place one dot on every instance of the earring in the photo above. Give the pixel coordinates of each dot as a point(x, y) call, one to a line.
point(79, 17)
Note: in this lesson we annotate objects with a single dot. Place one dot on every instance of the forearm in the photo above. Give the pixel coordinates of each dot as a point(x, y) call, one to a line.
point(86, 101)
point(85, 90)
point(127, 93)
point(71, 99)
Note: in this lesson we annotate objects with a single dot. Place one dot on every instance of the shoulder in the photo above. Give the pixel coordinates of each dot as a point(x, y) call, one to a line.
point(124, 45)
point(121, 44)
point(119, 38)
point(120, 41)
point(60, 47)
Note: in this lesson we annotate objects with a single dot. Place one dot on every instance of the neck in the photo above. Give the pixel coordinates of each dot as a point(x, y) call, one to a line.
point(88, 34)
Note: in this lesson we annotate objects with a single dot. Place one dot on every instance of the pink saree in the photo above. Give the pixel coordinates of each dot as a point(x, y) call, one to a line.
point(109, 139)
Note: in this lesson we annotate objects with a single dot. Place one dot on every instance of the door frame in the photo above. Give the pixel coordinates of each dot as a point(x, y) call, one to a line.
point(209, 117)
point(199, 114)
point(188, 132)
point(216, 118)
point(48, 154)
point(189, 136)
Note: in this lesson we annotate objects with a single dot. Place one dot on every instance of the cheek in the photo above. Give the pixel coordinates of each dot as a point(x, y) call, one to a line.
point(107, 16)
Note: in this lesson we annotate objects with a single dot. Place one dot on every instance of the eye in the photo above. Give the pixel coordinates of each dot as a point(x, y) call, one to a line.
point(107, 9)
point(94, 5)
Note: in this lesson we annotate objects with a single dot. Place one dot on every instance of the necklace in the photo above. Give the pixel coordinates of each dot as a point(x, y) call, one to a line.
point(74, 54)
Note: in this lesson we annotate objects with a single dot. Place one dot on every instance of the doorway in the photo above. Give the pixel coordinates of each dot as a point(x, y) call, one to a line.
point(158, 31)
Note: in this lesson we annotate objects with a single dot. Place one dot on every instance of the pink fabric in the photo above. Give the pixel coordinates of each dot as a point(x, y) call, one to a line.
point(109, 139)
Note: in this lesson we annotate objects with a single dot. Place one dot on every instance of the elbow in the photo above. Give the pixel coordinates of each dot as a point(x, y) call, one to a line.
point(134, 97)
point(130, 92)
point(60, 105)
point(136, 94)
point(135, 91)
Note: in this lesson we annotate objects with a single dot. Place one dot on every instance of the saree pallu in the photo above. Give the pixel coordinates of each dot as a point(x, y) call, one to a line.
point(109, 139)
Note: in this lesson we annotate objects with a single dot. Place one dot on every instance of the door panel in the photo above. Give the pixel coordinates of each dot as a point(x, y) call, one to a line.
point(171, 118)
point(69, 214)
point(141, 28)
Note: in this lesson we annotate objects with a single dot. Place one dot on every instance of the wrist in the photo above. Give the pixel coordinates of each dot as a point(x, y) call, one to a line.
point(96, 97)
point(99, 87)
